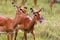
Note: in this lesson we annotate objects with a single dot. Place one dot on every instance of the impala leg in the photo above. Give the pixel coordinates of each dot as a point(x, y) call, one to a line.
point(25, 36)
point(23, 2)
point(35, 2)
point(9, 36)
point(33, 33)
point(15, 35)
point(51, 3)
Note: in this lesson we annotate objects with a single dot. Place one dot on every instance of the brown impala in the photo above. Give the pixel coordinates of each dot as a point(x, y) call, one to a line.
point(26, 23)
point(8, 25)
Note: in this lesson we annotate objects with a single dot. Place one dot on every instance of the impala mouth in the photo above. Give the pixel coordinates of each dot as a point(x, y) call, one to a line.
point(40, 21)
point(42, 18)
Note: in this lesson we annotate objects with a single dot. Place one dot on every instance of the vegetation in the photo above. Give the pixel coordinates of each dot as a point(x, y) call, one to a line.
point(49, 30)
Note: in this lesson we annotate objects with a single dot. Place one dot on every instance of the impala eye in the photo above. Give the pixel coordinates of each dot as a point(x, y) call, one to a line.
point(20, 9)
point(35, 15)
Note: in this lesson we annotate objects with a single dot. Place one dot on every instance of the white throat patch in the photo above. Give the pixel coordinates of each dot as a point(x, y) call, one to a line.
point(29, 17)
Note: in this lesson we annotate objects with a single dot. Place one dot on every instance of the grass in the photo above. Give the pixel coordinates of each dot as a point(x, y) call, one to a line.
point(46, 31)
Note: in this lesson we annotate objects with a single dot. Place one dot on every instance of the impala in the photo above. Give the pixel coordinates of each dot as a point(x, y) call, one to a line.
point(8, 25)
point(26, 23)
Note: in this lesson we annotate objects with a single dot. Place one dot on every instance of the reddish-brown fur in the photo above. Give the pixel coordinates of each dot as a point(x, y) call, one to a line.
point(27, 25)
point(8, 25)
point(5, 25)
point(18, 12)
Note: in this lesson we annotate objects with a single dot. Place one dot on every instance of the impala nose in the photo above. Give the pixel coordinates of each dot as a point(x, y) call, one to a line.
point(42, 18)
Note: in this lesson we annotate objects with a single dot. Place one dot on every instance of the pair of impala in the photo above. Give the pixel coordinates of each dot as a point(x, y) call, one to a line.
point(21, 21)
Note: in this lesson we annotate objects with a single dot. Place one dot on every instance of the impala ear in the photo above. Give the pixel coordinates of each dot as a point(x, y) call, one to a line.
point(25, 7)
point(14, 5)
point(40, 9)
point(31, 9)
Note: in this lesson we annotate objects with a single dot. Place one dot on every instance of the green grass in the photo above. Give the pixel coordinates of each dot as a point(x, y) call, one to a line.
point(47, 31)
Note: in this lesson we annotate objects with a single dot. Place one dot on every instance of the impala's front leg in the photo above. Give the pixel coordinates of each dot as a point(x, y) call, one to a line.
point(33, 33)
point(9, 36)
point(15, 34)
point(25, 36)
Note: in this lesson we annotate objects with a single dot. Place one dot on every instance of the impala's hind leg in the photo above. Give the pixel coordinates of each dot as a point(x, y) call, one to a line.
point(33, 34)
point(9, 36)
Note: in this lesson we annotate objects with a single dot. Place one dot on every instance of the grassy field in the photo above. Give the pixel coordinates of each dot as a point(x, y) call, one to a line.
point(50, 30)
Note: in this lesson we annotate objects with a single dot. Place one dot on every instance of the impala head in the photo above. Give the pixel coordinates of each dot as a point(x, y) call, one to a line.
point(37, 15)
point(20, 9)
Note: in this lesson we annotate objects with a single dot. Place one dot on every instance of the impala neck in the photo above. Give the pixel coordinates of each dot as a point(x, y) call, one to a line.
point(33, 21)
point(15, 21)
